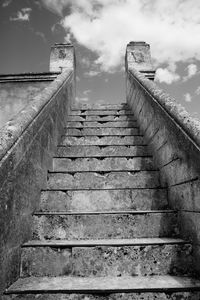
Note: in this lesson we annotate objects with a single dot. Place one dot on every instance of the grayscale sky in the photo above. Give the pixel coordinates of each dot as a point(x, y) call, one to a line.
point(100, 30)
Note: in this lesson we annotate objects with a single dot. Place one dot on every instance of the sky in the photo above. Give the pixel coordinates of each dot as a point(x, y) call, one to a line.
point(100, 31)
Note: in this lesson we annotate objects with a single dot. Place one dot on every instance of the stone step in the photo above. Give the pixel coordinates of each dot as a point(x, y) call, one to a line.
point(163, 287)
point(103, 164)
point(100, 112)
point(93, 118)
point(102, 151)
point(103, 180)
point(120, 124)
point(103, 140)
point(102, 131)
point(134, 257)
point(104, 225)
point(99, 106)
point(102, 200)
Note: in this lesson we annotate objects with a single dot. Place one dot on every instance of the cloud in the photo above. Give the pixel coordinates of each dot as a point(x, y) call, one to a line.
point(6, 3)
point(81, 99)
point(197, 92)
point(56, 6)
point(187, 97)
point(86, 92)
point(23, 15)
point(105, 27)
point(92, 73)
point(41, 35)
point(85, 62)
point(166, 75)
point(191, 71)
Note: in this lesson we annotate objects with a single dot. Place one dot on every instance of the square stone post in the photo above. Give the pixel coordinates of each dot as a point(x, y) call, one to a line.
point(62, 57)
point(138, 56)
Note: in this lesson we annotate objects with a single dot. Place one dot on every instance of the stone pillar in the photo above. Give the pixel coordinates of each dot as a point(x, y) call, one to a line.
point(62, 57)
point(138, 56)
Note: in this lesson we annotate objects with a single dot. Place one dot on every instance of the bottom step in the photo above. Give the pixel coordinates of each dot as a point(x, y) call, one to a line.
point(153, 287)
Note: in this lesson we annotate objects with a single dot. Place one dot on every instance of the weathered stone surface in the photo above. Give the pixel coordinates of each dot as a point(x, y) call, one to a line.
point(108, 140)
point(103, 164)
point(133, 287)
point(17, 92)
point(108, 180)
point(183, 192)
point(107, 260)
point(100, 112)
point(46, 261)
point(97, 200)
point(27, 143)
point(97, 106)
point(107, 225)
point(104, 151)
point(101, 124)
point(101, 118)
point(174, 139)
point(101, 131)
point(191, 295)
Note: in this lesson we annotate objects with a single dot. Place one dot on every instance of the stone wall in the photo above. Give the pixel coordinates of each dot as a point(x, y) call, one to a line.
point(174, 138)
point(27, 144)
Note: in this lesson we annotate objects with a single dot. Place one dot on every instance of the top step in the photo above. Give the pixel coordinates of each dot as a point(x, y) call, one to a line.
point(100, 106)
point(100, 112)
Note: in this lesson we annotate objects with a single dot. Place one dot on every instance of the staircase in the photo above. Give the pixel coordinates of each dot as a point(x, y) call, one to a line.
point(104, 229)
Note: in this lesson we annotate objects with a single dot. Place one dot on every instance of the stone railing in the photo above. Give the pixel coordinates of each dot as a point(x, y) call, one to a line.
point(27, 144)
point(174, 138)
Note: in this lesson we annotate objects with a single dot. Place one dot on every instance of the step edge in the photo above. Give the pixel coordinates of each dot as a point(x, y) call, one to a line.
point(103, 156)
point(102, 189)
point(183, 284)
point(133, 212)
point(114, 171)
point(107, 242)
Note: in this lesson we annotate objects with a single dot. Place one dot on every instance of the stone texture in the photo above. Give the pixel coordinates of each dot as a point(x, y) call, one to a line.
point(139, 287)
point(101, 123)
point(107, 225)
point(191, 295)
point(100, 112)
point(15, 93)
point(104, 151)
point(107, 260)
point(173, 136)
point(102, 164)
point(107, 180)
point(62, 57)
point(27, 143)
point(101, 131)
point(186, 190)
point(97, 118)
point(138, 56)
point(108, 140)
point(97, 200)
point(97, 106)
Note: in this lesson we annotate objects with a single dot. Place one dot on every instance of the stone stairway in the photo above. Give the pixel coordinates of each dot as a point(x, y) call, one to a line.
point(104, 229)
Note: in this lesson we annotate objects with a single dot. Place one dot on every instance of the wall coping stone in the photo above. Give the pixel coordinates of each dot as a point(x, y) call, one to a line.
point(189, 124)
point(14, 128)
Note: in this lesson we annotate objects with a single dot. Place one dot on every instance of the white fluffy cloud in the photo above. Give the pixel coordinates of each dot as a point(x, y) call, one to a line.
point(187, 97)
point(22, 15)
point(191, 71)
point(166, 76)
point(105, 26)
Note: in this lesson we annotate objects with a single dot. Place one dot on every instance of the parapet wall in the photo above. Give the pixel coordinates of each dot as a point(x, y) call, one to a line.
point(27, 144)
point(17, 90)
point(174, 137)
